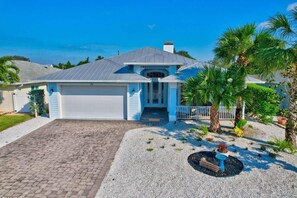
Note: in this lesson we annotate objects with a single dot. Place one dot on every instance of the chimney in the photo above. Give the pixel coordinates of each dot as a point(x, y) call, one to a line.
point(168, 47)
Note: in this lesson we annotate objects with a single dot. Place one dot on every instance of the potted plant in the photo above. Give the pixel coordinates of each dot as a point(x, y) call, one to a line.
point(223, 149)
point(282, 119)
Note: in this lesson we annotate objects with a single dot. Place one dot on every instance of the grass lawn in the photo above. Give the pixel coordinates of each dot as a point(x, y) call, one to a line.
point(7, 121)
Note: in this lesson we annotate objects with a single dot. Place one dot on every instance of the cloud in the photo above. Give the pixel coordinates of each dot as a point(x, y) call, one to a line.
point(151, 26)
point(292, 6)
point(264, 24)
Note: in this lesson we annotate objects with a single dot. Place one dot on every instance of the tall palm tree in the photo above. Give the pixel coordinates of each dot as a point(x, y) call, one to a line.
point(216, 85)
point(8, 71)
point(240, 47)
point(284, 27)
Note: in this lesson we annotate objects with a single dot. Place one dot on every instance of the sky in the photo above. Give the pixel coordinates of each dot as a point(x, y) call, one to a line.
point(53, 31)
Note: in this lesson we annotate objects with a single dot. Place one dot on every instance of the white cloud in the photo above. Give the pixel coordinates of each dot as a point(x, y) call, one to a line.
point(264, 24)
point(292, 6)
point(151, 26)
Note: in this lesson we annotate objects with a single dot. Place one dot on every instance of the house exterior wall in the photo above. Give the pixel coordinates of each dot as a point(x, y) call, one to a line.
point(134, 101)
point(54, 100)
point(6, 100)
point(15, 97)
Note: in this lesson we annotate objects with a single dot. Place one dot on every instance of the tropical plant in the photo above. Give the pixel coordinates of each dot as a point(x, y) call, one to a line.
point(242, 46)
point(36, 101)
point(281, 145)
point(8, 71)
point(241, 123)
point(204, 129)
point(285, 59)
point(238, 131)
point(216, 85)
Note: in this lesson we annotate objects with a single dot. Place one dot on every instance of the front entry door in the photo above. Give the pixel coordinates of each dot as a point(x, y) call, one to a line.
point(155, 94)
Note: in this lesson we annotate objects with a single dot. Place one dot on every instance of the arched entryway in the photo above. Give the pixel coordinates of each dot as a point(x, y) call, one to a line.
point(155, 93)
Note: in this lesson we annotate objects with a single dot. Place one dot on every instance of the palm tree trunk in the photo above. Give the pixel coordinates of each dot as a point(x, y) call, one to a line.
point(291, 125)
point(238, 112)
point(214, 119)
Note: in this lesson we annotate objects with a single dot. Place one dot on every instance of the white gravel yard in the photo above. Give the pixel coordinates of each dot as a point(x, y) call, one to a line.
point(165, 172)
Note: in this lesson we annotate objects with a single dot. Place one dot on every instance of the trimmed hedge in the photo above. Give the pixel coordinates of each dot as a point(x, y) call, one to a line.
point(262, 102)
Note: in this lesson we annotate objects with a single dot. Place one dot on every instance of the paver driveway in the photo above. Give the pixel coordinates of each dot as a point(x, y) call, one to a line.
point(65, 158)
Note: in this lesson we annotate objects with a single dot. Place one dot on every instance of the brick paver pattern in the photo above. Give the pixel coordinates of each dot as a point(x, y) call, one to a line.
point(65, 158)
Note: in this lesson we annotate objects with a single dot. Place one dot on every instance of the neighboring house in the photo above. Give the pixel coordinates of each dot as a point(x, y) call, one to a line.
point(14, 97)
point(279, 83)
point(121, 87)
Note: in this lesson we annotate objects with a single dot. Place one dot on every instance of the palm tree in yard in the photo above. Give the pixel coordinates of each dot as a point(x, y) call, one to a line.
point(285, 59)
point(8, 71)
point(240, 47)
point(216, 85)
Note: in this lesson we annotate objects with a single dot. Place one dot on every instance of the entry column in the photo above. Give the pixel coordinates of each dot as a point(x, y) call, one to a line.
point(172, 101)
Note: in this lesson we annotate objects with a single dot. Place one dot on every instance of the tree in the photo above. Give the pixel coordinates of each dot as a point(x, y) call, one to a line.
point(16, 57)
point(241, 47)
point(67, 65)
point(184, 53)
point(216, 85)
point(284, 27)
point(8, 71)
point(83, 62)
point(99, 58)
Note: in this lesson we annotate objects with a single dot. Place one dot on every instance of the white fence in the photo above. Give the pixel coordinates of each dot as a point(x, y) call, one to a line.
point(202, 112)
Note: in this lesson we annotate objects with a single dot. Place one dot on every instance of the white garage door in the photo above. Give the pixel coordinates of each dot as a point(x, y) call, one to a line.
point(94, 102)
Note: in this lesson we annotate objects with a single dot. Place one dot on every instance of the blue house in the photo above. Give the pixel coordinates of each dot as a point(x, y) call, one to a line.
point(120, 87)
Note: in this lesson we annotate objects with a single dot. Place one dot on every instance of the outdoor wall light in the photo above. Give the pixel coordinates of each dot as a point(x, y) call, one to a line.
point(133, 91)
point(51, 91)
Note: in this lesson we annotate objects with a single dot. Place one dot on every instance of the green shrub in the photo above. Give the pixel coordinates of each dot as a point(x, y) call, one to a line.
point(37, 101)
point(192, 130)
point(149, 149)
point(280, 145)
point(262, 102)
point(204, 129)
point(241, 123)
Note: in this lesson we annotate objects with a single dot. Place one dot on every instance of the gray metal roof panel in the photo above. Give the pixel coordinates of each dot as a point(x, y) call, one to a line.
point(29, 70)
point(114, 69)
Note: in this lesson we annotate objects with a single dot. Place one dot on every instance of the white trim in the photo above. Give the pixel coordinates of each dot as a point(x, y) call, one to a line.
point(153, 64)
point(87, 81)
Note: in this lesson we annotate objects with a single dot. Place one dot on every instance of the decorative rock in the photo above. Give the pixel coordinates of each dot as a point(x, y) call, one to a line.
point(148, 142)
point(172, 144)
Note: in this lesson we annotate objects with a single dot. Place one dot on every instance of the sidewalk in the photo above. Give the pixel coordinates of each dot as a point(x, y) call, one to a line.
point(13, 133)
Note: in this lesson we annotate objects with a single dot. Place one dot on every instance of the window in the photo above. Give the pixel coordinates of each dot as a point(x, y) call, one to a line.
point(34, 87)
point(155, 75)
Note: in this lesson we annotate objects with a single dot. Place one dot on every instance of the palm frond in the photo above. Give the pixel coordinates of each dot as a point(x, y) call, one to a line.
point(281, 24)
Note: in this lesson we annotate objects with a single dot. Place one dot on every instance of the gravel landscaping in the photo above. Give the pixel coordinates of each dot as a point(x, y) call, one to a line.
point(152, 162)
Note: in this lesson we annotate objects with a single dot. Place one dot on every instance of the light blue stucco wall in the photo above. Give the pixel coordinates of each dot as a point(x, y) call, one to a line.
point(54, 108)
point(172, 101)
point(134, 103)
point(172, 70)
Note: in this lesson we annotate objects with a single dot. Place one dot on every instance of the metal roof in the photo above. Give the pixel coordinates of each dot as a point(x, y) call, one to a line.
point(30, 71)
point(187, 72)
point(275, 77)
point(114, 70)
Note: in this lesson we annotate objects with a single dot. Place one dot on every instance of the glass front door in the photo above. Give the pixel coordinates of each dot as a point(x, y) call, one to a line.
point(155, 94)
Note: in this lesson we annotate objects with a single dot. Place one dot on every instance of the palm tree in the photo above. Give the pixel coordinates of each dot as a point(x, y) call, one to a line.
point(285, 59)
point(8, 71)
point(216, 85)
point(240, 47)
